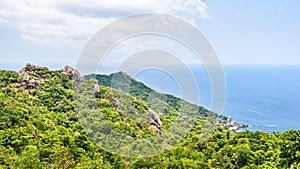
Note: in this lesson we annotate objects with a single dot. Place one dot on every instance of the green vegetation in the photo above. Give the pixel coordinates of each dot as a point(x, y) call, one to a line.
point(50, 121)
point(142, 92)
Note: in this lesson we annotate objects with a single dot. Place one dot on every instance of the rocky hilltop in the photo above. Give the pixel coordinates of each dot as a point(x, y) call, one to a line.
point(31, 75)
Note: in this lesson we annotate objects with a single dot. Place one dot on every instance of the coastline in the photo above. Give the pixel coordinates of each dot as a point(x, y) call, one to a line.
point(234, 125)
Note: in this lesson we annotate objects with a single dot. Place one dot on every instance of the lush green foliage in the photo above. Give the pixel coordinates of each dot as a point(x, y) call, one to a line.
point(55, 128)
point(39, 128)
point(226, 149)
point(129, 85)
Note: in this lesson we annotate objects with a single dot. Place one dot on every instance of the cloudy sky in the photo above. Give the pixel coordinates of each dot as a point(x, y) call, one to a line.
point(53, 32)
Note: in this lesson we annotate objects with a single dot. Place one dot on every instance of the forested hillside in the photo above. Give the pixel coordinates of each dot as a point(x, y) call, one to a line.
point(56, 119)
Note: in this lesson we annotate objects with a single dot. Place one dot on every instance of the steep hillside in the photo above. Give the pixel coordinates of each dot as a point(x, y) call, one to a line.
point(127, 84)
point(46, 113)
point(56, 119)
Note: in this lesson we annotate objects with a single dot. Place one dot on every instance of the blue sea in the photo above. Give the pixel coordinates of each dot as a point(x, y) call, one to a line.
point(265, 97)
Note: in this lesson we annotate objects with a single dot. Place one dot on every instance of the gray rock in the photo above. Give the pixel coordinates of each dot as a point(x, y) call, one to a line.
point(72, 73)
point(97, 91)
point(24, 84)
point(34, 85)
point(154, 121)
point(25, 73)
point(154, 118)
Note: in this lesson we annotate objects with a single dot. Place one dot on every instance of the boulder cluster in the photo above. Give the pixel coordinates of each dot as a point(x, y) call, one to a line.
point(30, 78)
point(31, 75)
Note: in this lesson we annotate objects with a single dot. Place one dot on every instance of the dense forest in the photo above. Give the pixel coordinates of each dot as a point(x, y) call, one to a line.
point(59, 119)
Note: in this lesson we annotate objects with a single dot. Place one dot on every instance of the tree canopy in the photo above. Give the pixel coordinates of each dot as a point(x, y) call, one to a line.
point(58, 123)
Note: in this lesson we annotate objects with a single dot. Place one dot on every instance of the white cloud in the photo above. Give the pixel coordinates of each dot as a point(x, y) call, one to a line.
point(3, 20)
point(63, 21)
point(193, 7)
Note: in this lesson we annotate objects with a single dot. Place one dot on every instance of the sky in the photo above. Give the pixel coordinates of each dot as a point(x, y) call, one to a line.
point(52, 33)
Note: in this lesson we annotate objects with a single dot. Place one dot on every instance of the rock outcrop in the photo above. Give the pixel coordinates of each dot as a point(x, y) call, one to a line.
point(72, 73)
point(97, 91)
point(233, 125)
point(154, 120)
point(31, 75)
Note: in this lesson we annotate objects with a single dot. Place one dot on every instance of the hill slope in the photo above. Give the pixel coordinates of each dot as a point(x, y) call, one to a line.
point(55, 119)
point(124, 82)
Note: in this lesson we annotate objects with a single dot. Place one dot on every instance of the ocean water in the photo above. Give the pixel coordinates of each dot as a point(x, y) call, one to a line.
point(265, 97)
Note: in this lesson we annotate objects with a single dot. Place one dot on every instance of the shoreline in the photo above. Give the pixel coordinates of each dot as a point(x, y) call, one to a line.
point(234, 125)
